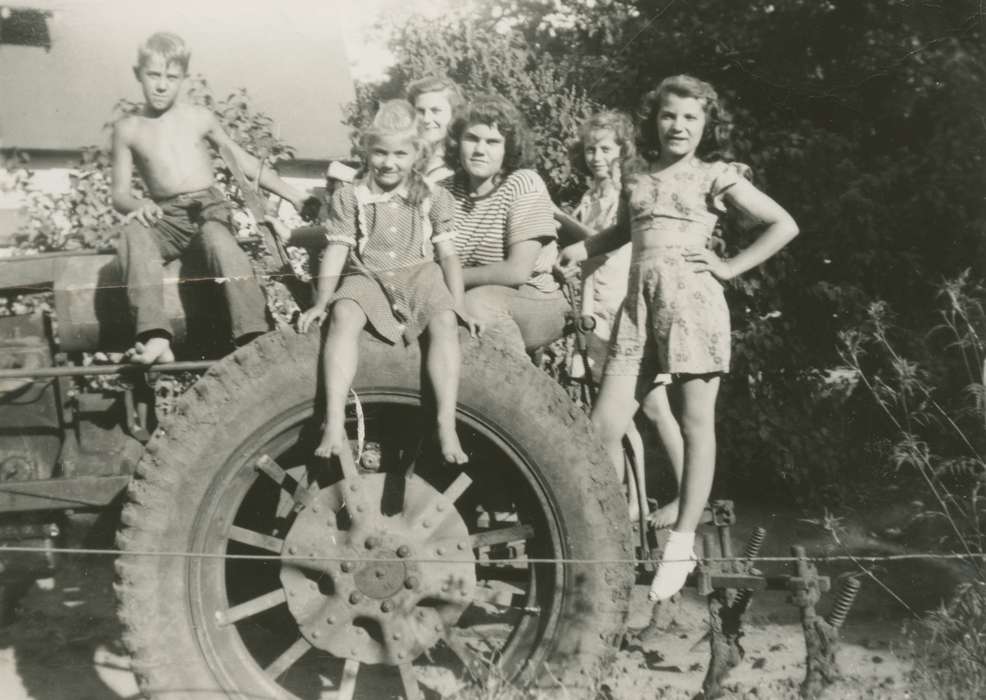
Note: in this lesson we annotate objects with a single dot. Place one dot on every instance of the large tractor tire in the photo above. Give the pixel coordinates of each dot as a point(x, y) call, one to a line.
point(255, 570)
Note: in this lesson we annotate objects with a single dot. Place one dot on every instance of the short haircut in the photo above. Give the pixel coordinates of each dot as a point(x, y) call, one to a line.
point(623, 131)
point(436, 84)
point(715, 142)
point(168, 46)
point(493, 111)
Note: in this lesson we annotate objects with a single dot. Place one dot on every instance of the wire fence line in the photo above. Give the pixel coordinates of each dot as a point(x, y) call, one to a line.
point(817, 559)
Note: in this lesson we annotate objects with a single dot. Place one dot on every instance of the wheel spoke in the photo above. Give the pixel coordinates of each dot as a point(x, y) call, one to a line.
point(436, 509)
point(256, 539)
point(347, 686)
point(290, 656)
point(502, 535)
point(301, 495)
point(412, 691)
point(251, 607)
point(474, 663)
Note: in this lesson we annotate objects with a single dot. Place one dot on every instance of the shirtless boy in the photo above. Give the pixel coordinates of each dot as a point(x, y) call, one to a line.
point(168, 142)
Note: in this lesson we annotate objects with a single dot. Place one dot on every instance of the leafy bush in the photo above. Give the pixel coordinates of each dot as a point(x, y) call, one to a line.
point(480, 59)
point(932, 396)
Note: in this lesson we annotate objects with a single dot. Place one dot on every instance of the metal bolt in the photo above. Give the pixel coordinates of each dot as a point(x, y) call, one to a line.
point(440, 507)
point(315, 508)
point(426, 524)
point(461, 546)
point(353, 487)
point(352, 652)
point(359, 509)
point(331, 619)
point(372, 542)
point(347, 566)
point(400, 655)
point(315, 634)
point(440, 551)
point(447, 587)
point(355, 597)
point(411, 582)
point(292, 550)
point(386, 606)
point(378, 573)
point(438, 628)
point(403, 551)
point(396, 636)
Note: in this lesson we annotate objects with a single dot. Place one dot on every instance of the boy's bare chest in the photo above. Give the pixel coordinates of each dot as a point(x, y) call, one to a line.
point(157, 141)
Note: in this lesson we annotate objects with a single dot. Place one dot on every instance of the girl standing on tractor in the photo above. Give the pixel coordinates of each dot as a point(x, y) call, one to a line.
point(674, 319)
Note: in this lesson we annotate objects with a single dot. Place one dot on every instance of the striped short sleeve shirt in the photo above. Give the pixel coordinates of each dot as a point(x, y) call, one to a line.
point(518, 209)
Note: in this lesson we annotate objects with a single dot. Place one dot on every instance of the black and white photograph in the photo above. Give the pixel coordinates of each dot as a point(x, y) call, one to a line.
point(482, 349)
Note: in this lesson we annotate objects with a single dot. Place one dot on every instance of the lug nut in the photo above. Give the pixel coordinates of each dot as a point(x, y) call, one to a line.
point(386, 606)
point(355, 597)
point(396, 636)
point(440, 551)
point(440, 507)
point(331, 619)
point(426, 524)
point(403, 551)
point(411, 582)
point(378, 573)
point(292, 550)
point(347, 566)
point(461, 546)
point(372, 542)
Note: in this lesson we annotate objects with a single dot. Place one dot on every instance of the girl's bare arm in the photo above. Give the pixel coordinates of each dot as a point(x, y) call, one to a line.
point(512, 271)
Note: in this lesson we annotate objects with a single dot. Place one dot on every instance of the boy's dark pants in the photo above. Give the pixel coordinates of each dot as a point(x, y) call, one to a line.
point(195, 222)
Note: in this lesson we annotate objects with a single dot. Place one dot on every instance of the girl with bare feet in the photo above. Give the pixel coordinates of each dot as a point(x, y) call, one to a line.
point(675, 319)
point(385, 231)
point(605, 144)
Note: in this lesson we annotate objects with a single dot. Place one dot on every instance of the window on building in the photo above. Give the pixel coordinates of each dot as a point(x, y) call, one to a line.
point(24, 27)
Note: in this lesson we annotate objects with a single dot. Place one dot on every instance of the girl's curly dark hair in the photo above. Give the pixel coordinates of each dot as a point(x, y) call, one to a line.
point(715, 144)
point(624, 133)
point(492, 111)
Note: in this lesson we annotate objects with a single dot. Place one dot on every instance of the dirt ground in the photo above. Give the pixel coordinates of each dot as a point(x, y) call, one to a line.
point(65, 643)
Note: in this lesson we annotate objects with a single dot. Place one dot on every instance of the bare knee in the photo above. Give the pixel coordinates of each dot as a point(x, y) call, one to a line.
point(346, 314)
point(697, 423)
point(609, 430)
point(443, 324)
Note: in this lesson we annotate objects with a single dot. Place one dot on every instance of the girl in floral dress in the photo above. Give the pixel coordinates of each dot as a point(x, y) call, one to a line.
point(387, 229)
point(675, 319)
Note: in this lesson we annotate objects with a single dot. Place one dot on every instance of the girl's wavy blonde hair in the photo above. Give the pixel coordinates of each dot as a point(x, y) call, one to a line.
point(397, 119)
point(624, 133)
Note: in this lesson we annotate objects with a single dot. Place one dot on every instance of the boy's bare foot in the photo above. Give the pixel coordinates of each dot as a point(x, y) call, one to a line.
point(448, 440)
point(665, 516)
point(154, 350)
point(334, 441)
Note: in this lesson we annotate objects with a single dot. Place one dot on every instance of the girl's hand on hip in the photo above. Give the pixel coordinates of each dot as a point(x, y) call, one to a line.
point(707, 261)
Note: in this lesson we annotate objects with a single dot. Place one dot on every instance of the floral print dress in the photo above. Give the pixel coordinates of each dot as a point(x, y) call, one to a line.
point(673, 319)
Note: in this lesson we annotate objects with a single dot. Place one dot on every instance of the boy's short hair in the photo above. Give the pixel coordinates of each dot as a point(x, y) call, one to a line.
point(168, 46)
point(436, 84)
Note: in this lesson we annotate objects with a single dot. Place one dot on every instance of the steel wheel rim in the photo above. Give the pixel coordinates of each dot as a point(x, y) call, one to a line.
point(236, 664)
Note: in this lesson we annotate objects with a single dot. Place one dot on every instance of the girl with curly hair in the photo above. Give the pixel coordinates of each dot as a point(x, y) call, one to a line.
point(674, 319)
point(505, 231)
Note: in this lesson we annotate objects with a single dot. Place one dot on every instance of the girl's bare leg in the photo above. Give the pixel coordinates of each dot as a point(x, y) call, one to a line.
point(612, 416)
point(443, 364)
point(339, 360)
point(698, 428)
point(657, 409)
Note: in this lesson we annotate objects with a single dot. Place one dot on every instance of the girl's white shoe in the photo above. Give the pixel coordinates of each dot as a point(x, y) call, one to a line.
point(677, 562)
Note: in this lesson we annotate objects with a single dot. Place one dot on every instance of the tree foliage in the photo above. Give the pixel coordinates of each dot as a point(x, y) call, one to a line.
point(862, 117)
